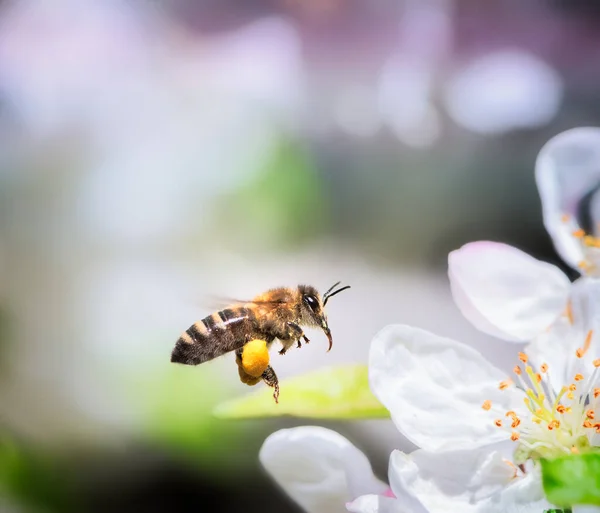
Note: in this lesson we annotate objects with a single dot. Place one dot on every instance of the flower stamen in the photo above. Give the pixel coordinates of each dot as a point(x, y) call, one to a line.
point(580, 353)
point(569, 312)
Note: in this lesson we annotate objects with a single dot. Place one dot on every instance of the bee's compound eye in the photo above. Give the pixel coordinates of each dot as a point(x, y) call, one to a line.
point(312, 302)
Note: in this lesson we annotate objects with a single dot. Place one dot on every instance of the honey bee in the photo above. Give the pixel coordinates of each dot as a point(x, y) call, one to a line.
point(278, 313)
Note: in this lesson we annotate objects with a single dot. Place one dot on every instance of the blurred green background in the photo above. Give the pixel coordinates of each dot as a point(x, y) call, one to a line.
point(155, 155)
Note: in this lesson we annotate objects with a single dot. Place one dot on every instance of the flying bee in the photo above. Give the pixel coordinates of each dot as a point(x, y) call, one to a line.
point(278, 314)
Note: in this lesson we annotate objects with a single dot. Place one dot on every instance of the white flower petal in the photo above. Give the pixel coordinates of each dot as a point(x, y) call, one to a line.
point(523, 495)
point(505, 292)
point(567, 170)
point(434, 388)
point(557, 347)
point(585, 305)
point(318, 468)
point(478, 481)
point(457, 481)
point(380, 504)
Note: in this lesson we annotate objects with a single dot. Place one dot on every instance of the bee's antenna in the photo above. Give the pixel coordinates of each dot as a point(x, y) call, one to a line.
point(331, 288)
point(329, 294)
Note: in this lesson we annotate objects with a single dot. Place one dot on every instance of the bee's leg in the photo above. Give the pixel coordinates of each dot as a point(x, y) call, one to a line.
point(270, 378)
point(287, 343)
point(298, 333)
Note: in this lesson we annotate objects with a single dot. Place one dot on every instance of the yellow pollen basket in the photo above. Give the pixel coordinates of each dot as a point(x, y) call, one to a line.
point(255, 358)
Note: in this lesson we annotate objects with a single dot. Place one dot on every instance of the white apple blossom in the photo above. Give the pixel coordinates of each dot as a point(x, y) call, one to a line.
point(511, 295)
point(481, 433)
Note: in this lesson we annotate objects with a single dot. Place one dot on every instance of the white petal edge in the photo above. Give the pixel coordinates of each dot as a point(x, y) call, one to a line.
point(435, 387)
point(586, 509)
point(478, 481)
point(318, 468)
point(380, 504)
point(567, 168)
point(505, 292)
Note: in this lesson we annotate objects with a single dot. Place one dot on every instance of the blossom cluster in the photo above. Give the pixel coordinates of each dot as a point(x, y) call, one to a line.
point(481, 433)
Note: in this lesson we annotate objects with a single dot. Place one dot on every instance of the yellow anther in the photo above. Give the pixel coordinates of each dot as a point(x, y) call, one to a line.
point(517, 370)
point(570, 396)
point(596, 362)
point(596, 392)
point(553, 424)
point(487, 404)
point(539, 412)
point(582, 264)
point(498, 422)
point(510, 413)
point(505, 384)
point(529, 370)
point(523, 357)
point(587, 424)
point(578, 377)
point(590, 414)
point(589, 241)
point(572, 387)
point(514, 436)
point(538, 377)
point(561, 408)
point(586, 345)
point(537, 420)
point(578, 234)
point(515, 423)
point(544, 368)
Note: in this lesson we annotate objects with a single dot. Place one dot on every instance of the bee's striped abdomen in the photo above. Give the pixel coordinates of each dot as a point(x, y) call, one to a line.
point(214, 336)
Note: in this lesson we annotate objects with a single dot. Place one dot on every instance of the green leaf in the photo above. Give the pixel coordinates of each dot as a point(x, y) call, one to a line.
point(574, 479)
point(333, 393)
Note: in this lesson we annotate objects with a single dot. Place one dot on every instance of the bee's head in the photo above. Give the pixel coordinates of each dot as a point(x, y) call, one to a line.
point(313, 307)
